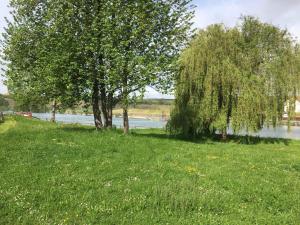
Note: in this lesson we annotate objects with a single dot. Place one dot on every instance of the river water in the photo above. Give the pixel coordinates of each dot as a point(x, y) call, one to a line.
point(89, 120)
point(279, 132)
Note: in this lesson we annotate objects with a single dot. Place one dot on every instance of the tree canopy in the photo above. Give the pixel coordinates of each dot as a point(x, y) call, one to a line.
point(97, 51)
point(241, 77)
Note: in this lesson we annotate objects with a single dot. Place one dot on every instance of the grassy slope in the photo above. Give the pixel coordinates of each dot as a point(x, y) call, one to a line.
point(55, 174)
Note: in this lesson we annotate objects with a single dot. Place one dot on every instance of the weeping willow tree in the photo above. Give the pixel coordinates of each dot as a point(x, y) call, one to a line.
point(241, 77)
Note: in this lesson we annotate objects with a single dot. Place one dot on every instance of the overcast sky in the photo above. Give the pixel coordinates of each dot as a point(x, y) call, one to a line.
point(283, 13)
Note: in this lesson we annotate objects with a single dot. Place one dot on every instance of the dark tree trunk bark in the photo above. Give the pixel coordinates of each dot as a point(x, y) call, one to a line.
point(125, 104)
point(109, 111)
point(96, 108)
point(103, 105)
point(224, 134)
point(125, 120)
point(229, 112)
point(53, 112)
point(1, 117)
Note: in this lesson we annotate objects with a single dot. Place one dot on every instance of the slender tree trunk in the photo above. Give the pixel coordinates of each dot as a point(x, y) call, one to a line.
point(109, 110)
point(125, 120)
point(53, 112)
point(110, 97)
point(224, 134)
point(109, 118)
point(1, 117)
point(103, 105)
point(125, 104)
point(229, 112)
point(96, 108)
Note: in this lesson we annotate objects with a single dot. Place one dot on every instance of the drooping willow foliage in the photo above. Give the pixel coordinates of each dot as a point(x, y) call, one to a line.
point(243, 77)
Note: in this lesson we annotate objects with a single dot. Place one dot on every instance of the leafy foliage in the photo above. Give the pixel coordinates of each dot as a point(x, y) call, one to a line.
point(4, 104)
point(97, 52)
point(240, 77)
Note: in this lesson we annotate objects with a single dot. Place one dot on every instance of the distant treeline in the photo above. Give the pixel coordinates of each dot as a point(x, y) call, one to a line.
point(7, 102)
point(155, 102)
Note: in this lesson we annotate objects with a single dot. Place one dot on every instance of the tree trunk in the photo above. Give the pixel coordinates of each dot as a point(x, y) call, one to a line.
point(53, 112)
point(103, 105)
point(1, 117)
point(125, 103)
point(125, 120)
point(109, 111)
point(96, 108)
point(224, 134)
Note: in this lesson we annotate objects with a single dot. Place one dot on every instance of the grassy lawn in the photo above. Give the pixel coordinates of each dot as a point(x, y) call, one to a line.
point(70, 174)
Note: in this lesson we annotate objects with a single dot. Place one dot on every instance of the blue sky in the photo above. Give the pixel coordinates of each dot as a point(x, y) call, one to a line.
point(284, 13)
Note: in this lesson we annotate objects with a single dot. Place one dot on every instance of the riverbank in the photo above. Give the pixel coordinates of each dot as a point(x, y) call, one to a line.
point(71, 174)
point(89, 120)
point(152, 110)
point(282, 131)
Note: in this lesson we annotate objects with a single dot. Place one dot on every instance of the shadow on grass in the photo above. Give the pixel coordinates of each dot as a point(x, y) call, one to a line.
point(211, 139)
point(160, 134)
point(86, 129)
point(75, 128)
point(252, 140)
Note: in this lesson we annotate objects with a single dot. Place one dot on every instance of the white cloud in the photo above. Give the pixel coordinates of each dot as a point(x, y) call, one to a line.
point(151, 93)
point(283, 13)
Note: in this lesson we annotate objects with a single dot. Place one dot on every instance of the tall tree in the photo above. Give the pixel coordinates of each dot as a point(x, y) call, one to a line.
point(98, 51)
point(146, 37)
point(240, 77)
point(34, 48)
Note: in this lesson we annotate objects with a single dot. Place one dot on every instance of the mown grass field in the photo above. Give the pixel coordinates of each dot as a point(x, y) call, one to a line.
point(70, 174)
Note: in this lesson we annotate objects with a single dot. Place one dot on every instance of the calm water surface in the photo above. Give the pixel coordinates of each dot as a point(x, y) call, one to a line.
point(89, 120)
point(279, 132)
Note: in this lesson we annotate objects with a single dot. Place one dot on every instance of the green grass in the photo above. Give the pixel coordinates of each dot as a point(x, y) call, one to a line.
point(70, 174)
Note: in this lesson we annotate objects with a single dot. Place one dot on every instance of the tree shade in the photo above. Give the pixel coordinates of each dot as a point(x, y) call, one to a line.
point(242, 77)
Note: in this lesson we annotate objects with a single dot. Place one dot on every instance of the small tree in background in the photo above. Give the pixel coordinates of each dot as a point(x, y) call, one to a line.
point(4, 104)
